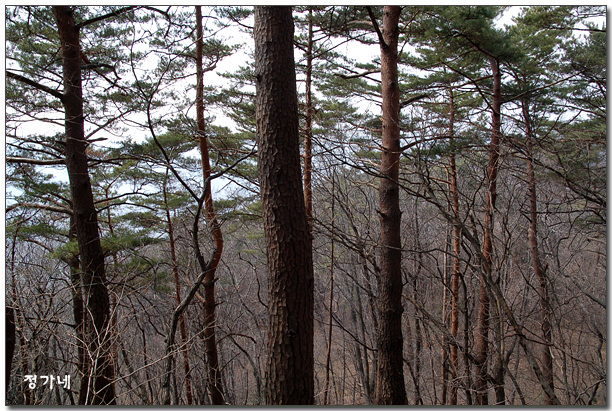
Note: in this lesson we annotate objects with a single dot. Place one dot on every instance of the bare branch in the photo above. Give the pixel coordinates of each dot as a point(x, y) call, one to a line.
point(376, 27)
point(104, 17)
point(365, 73)
point(23, 160)
point(55, 209)
point(412, 100)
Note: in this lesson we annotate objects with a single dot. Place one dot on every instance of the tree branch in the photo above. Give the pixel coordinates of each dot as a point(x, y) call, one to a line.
point(365, 73)
point(376, 27)
point(23, 160)
point(104, 17)
point(34, 84)
point(412, 100)
point(55, 209)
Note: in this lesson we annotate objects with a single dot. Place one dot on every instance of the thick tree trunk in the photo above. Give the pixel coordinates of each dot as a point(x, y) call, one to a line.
point(538, 268)
point(101, 388)
point(482, 326)
point(214, 372)
point(390, 387)
point(289, 368)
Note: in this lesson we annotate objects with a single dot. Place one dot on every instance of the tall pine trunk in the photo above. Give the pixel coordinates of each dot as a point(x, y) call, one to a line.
point(289, 368)
point(390, 387)
point(101, 388)
point(483, 324)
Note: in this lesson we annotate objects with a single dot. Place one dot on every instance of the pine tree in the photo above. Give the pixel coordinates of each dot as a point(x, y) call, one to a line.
point(289, 369)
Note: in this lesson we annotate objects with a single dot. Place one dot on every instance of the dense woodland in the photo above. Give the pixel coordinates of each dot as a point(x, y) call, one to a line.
point(313, 225)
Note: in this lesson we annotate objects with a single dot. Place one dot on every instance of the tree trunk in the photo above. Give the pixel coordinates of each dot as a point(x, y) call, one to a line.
point(19, 320)
point(83, 363)
point(331, 292)
point(539, 270)
point(10, 344)
point(454, 326)
point(177, 285)
point(308, 128)
point(214, 372)
point(390, 387)
point(445, 314)
point(289, 368)
point(482, 326)
point(101, 389)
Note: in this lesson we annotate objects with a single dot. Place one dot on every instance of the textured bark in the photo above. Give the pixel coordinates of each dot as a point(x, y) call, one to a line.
point(483, 324)
point(214, 372)
point(289, 368)
point(390, 387)
point(101, 388)
point(536, 263)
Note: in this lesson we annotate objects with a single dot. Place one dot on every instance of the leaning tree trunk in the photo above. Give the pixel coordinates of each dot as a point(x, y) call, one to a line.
point(214, 372)
point(289, 368)
point(101, 388)
point(390, 387)
point(482, 326)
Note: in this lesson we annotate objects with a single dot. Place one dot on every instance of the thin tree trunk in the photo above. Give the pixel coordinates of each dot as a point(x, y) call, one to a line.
point(177, 285)
point(86, 222)
point(308, 128)
point(80, 327)
point(214, 372)
point(289, 368)
point(418, 351)
point(418, 326)
point(27, 394)
point(454, 328)
point(482, 326)
point(445, 308)
point(331, 293)
point(466, 344)
point(363, 367)
point(538, 268)
point(499, 367)
point(390, 386)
